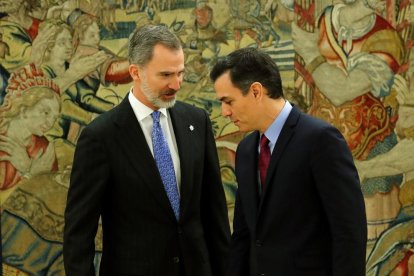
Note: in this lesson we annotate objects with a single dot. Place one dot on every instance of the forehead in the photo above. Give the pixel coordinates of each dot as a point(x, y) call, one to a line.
point(48, 104)
point(93, 27)
point(166, 59)
point(225, 88)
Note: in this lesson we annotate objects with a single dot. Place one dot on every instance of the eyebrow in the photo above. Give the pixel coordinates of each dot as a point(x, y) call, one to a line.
point(170, 72)
point(224, 98)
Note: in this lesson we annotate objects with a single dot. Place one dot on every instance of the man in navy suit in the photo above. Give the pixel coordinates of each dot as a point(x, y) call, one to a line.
point(160, 216)
point(299, 207)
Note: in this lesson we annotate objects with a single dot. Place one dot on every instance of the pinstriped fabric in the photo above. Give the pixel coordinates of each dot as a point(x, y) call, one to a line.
point(165, 164)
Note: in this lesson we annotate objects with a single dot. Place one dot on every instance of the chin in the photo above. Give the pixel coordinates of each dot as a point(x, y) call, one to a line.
point(166, 104)
point(245, 129)
point(241, 128)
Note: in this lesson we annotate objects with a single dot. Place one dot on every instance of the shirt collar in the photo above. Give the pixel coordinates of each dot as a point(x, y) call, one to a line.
point(273, 132)
point(141, 110)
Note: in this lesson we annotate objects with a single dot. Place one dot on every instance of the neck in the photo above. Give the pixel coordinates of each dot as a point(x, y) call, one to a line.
point(58, 65)
point(271, 109)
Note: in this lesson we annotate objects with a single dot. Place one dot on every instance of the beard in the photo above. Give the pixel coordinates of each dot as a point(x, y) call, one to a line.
point(156, 99)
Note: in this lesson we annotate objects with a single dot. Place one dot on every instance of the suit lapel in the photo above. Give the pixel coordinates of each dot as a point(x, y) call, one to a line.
point(285, 136)
point(181, 124)
point(247, 176)
point(132, 140)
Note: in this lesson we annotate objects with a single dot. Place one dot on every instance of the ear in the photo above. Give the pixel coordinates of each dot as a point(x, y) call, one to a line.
point(22, 113)
point(134, 72)
point(257, 90)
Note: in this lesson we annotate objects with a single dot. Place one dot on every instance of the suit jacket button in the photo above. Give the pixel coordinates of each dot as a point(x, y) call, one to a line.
point(179, 230)
point(258, 243)
point(176, 260)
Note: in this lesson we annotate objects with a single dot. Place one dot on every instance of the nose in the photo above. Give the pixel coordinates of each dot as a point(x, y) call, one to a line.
point(176, 83)
point(50, 121)
point(68, 46)
point(225, 110)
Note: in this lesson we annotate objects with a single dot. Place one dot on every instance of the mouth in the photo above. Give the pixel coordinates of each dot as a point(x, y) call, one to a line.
point(169, 94)
point(44, 129)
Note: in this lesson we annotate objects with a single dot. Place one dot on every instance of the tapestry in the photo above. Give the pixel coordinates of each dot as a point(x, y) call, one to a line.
point(64, 62)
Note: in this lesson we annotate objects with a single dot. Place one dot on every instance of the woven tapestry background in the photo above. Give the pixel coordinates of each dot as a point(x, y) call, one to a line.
point(367, 91)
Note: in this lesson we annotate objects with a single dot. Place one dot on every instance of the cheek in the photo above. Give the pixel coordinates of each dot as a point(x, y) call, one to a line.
point(158, 84)
point(39, 120)
point(39, 116)
point(243, 108)
point(57, 50)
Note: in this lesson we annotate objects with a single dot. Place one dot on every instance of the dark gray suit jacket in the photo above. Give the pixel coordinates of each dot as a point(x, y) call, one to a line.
point(115, 176)
point(310, 219)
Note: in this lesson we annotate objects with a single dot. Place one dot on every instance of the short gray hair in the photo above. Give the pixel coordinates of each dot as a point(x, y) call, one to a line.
point(143, 40)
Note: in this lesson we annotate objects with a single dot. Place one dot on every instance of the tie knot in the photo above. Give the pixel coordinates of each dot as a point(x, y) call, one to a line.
point(156, 116)
point(264, 142)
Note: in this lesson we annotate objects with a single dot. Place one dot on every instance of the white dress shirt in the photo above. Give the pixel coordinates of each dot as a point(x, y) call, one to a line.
point(143, 114)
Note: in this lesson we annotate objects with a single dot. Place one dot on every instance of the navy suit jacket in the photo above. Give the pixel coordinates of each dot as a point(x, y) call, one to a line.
point(310, 219)
point(115, 176)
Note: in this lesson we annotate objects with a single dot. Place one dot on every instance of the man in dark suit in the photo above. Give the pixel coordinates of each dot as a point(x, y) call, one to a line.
point(149, 169)
point(299, 207)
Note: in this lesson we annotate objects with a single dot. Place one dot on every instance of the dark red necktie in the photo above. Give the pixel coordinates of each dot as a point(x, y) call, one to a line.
point(264, 159)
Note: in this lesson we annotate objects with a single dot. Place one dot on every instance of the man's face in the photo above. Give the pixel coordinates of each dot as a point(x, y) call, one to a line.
point(239, 108)
point(63, 46)
point(160, 80)
point(39, 118)
point(405, 122)
point(91, 36)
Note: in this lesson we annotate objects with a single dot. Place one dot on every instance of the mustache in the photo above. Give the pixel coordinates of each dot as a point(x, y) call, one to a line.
point(168, 92)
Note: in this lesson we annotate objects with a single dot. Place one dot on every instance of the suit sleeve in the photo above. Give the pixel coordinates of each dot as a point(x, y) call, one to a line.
point(338, 186)
point(240, 243)
point(213, 207)
point(90, 174)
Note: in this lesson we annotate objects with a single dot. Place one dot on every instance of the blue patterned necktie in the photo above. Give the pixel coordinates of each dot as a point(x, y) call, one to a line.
point(165, 164)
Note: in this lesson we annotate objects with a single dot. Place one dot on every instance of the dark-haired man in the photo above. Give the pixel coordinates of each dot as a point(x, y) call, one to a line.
point(299, 207)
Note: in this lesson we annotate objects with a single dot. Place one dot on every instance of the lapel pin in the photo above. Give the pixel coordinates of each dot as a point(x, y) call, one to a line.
point(191, 127)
